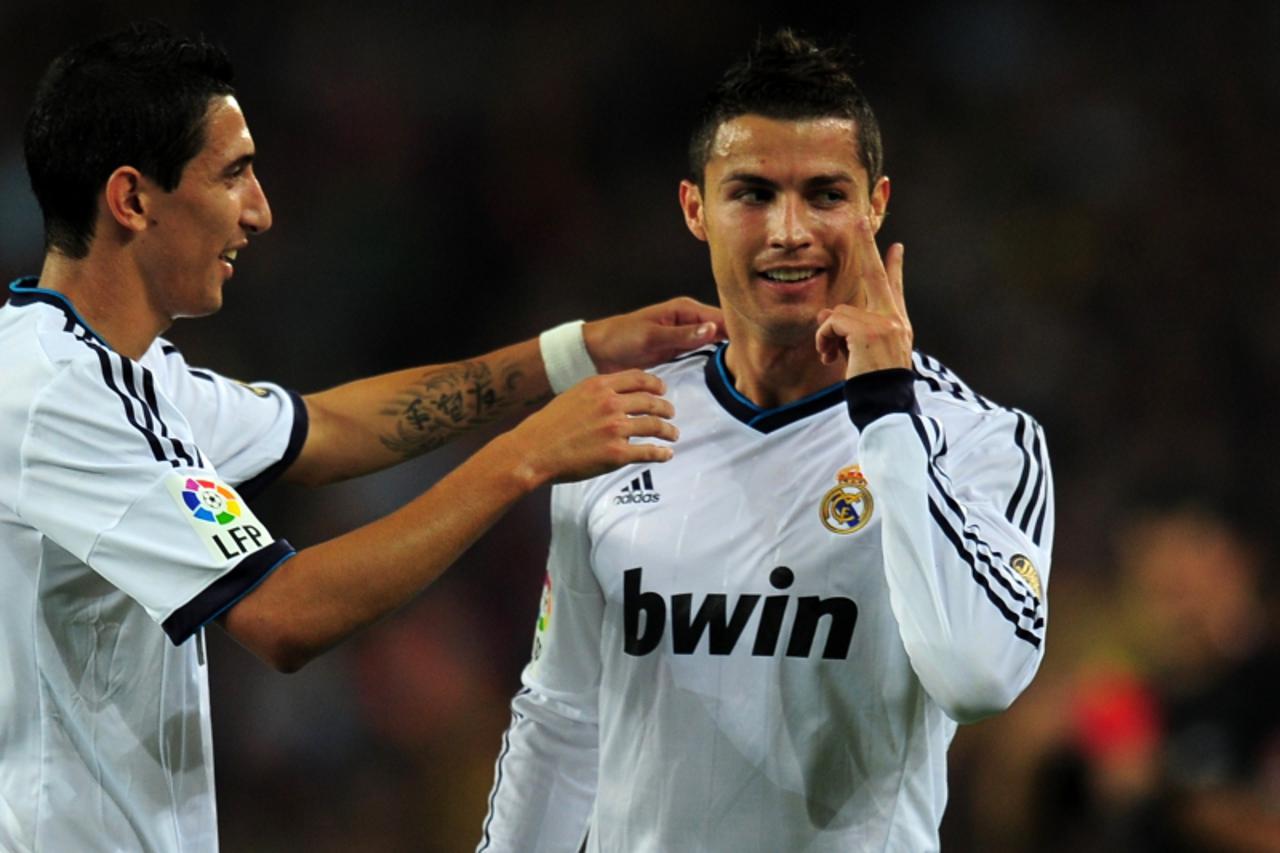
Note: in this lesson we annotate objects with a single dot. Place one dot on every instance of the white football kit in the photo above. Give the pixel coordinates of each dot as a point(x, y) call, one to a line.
point(122, 533)
point(765, 644)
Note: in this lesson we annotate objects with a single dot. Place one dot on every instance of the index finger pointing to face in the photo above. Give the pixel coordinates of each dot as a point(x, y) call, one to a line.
point(871, 271)
point(893, 263)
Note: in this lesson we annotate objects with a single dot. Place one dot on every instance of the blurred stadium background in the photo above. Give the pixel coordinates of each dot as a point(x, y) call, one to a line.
point(1091, 205)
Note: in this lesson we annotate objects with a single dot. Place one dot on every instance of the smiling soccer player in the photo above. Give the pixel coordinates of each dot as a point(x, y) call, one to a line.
point(848, 557)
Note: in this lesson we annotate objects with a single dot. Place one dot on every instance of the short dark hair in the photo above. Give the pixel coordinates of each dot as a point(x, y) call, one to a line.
point(788, 76)
point(136, 97)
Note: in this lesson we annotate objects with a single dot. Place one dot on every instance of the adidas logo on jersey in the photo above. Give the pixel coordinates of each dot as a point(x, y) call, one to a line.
point(640, 491)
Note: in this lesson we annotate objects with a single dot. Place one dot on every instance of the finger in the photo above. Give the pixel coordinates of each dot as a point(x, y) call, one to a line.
point(829, 340)
point(677, 339)
point(629, 381)
point(871, 272)
point(893, 269)
point(647, 426)
point(686, 311)
point(639, 452)
point(647, 404)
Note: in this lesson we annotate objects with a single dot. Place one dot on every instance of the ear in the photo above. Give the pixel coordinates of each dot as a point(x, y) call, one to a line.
point(691, 204)
point(127, 195)
point(879, 202)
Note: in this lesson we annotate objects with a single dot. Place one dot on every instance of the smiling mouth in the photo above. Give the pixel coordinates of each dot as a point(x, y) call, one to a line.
point(790, 276)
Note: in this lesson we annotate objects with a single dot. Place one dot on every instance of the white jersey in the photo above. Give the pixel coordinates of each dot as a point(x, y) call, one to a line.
point(121, 535)
point(766, 643)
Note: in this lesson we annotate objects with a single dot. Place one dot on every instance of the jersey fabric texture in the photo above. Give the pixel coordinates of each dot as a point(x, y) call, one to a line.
point(122, 533)
point(766, 643)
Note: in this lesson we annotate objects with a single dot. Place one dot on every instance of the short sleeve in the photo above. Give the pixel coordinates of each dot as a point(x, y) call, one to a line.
point(117, 480)
point(251, 433)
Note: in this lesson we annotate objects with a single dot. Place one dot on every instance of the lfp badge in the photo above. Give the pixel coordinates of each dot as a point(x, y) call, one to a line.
point(222, 521)
point(847, 508)
point(210, 501)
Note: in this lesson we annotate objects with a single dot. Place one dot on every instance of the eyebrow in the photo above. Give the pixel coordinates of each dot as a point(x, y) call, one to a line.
point(752, 179)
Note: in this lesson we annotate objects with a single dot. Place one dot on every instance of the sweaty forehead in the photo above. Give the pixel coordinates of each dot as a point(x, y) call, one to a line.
point(754, 140)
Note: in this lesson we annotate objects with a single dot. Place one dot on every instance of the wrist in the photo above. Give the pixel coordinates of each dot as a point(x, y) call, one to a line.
point(872, 395)
point(565, 356)
point(520, 463)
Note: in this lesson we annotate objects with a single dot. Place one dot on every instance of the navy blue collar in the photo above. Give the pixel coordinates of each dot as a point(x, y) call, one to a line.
point(25, 290)
point(720, 383)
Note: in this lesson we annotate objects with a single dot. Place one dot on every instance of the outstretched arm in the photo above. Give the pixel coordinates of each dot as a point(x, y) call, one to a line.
point(328, 591)
point(373, 423)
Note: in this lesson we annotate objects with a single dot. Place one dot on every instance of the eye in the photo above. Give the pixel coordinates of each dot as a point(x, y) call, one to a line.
point(238, 169)
point(754, 195)
point(829, 197)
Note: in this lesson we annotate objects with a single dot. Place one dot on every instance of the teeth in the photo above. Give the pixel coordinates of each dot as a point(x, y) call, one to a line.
point(231, 255)
point(788, 275)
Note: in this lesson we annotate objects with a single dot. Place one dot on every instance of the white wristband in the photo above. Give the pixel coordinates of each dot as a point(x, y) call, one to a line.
point(565, 356)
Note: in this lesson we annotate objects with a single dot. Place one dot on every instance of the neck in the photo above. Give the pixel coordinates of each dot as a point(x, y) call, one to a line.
point(772, 375)
point(108, 294)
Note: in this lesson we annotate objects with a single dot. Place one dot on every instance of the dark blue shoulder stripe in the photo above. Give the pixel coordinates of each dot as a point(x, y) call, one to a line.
point(129, 396)
point(26, 290)
point(104, 363)
point(935, 373)
point(1026, 437)
point(1011, 617)
point(149, 390)
point(150, 412)
point(971, 557)
point(1036, 489)
point(936, 475)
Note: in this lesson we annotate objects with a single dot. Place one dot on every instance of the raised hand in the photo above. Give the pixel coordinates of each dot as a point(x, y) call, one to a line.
point(587, 430)
point(652, 335)
point(876, 335)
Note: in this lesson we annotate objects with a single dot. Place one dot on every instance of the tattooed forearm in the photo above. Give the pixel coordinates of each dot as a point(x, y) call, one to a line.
point(448, 401)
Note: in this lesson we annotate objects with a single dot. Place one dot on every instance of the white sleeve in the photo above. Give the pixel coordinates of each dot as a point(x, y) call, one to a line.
point(120, 484)
point(251, 432)
point(967, 527)
point(545, 778)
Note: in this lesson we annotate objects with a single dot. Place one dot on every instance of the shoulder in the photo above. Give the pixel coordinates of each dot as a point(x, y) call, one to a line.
point(46, 357)
point(982, 436)
point(942, 394)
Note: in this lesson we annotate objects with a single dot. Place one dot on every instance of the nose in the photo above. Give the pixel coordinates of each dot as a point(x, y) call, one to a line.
point(255, 216)
point(788, 225)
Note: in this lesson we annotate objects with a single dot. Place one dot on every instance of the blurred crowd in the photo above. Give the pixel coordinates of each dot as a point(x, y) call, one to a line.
point(1091, 209)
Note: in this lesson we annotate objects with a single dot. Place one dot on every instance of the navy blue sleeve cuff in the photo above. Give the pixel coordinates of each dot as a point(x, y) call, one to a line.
point(297, 437)
point(880, 392)
point(219, 596)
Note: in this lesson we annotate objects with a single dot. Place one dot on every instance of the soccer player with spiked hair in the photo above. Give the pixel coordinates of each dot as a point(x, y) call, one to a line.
point(767, 644)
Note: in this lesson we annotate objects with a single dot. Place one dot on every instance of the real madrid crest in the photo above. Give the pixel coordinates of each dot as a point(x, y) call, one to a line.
point(847, 508)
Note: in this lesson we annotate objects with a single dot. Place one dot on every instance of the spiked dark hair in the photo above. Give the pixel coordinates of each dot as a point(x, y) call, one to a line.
point(136, 97)
point(790, 77)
